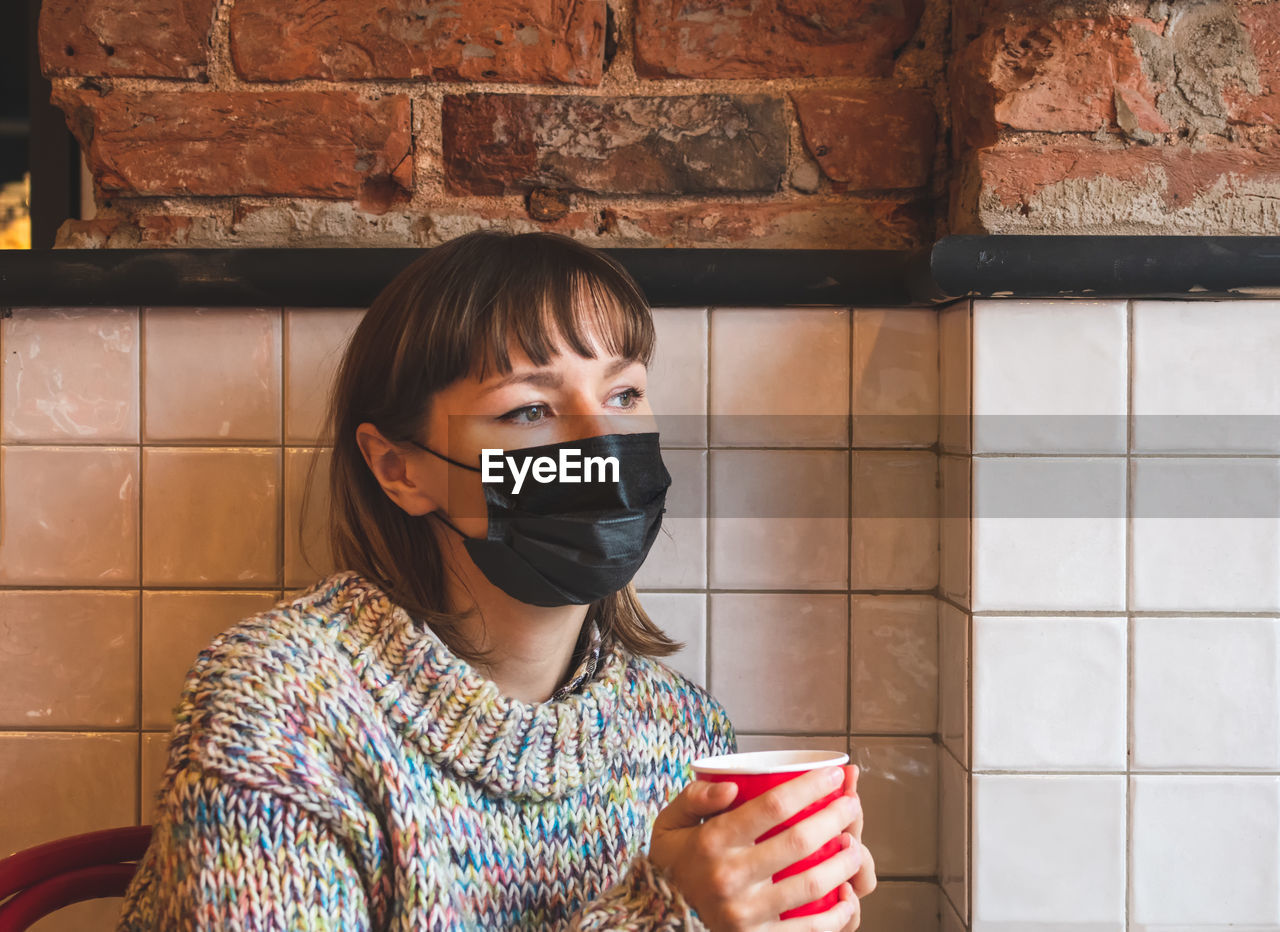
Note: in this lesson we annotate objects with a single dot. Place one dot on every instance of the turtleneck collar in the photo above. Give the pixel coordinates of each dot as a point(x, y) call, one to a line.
point(457, 715)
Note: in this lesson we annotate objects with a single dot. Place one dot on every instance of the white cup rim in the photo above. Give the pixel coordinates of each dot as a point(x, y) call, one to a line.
point(769, 762)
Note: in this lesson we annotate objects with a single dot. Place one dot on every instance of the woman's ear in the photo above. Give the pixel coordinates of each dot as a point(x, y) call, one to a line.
point(394, 471)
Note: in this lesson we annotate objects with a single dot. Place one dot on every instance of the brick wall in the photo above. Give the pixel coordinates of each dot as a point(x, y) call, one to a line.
point(628, 123)
point(760, 123)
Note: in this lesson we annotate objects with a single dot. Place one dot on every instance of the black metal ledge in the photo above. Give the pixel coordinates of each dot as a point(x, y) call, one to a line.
point(353, 277)
point(955, 267)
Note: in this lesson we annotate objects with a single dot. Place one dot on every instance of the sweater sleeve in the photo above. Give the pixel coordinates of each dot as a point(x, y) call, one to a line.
point(224, 856)
point(643, 901)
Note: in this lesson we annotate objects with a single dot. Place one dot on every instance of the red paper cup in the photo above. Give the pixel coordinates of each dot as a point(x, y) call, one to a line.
point(760, 771)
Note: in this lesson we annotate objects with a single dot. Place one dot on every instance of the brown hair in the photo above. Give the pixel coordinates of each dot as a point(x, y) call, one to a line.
point(448, 315)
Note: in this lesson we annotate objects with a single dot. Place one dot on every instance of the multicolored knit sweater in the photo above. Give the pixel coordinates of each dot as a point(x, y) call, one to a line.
point(335, 766)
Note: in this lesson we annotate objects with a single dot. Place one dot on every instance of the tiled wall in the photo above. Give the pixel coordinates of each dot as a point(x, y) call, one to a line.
point(1125, 602)
point(152, 468)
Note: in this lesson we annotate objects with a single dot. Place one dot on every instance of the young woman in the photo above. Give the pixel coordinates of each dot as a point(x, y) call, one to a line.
point(468, 728)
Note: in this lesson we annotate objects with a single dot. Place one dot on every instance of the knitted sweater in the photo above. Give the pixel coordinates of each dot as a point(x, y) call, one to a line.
point(335, 766)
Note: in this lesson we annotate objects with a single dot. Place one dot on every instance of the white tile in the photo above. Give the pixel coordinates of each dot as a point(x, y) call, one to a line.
point(955, 351)
point(779, 376)
point(955, 527)
point(953, 832)
point(898, 785)
point(682, 617)
point(677, 379)
point(779, 519)
point(1205, 694)
point(1048, 534)
point(1206, 853)
point(1050, 376)
point(1213, 365)
point(1048, 850)
point(953, 680)
point(678, 557)
point(1049, 693)
point(894, 906)
point(1206, 534)
point(894, 659)
point(779, 661)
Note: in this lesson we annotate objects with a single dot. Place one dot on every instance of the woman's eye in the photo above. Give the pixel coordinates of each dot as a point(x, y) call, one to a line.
point(635, 395)
point(528, 412)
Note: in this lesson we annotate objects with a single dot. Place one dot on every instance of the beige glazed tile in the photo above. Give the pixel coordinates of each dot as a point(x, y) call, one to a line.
point(155, 757)
point(953, 832)
point(955, 374)
point(211, 517)
point(778, 661)
point(677, 377)
point(70, 375)
point(779, 376)
point(955, 529)
point(954, 679)
point(176, 626)
point(315, 339)
point(70, 659)
point(895, 664)
point(211, 374)
point(780, 519)
point(682, 617)
point(895, 377)
point(307, 555)
point(69, 516)
point(895, 520)
point(835, 743)
point(900, 907)
point(898, 785)
point(67, 783)
point(678, 557)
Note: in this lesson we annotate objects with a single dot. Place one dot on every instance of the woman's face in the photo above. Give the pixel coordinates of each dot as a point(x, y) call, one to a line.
point(570, 398)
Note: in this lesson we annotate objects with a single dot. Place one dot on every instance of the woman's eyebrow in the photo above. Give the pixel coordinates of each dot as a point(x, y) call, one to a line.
point(549, 378)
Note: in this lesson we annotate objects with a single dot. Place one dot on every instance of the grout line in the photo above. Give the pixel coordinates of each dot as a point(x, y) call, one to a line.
point(281, 511)
point(1128, 605)
point(140, 373)
point(706, 498)
point(850, 354)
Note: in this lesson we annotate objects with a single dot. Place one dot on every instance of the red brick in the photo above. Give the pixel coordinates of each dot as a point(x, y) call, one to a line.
point(527, 41)
point(770, 38)
point(807, 223)
point(134, 38)
point(1053, 77)
point(1015, 175)
point(876, 138)
point(1262, 23)
point(708, 143)
point(211, 143)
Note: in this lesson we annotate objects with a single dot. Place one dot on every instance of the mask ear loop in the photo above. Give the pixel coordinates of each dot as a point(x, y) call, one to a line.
point(438, 512)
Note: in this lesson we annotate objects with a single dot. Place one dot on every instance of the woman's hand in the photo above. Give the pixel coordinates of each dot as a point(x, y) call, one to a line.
point(728, 878)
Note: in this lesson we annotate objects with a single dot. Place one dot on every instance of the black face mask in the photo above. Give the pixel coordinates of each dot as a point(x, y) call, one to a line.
point(570, 543)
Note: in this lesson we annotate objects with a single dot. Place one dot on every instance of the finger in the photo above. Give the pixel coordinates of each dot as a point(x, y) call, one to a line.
point(865, 880)
point(834, 919)
point(851, 772)
point(818, 880)
point(800, 840)
point(771, 809)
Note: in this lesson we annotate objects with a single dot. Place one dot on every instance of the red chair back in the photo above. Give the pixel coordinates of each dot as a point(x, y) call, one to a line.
point(40, 880)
